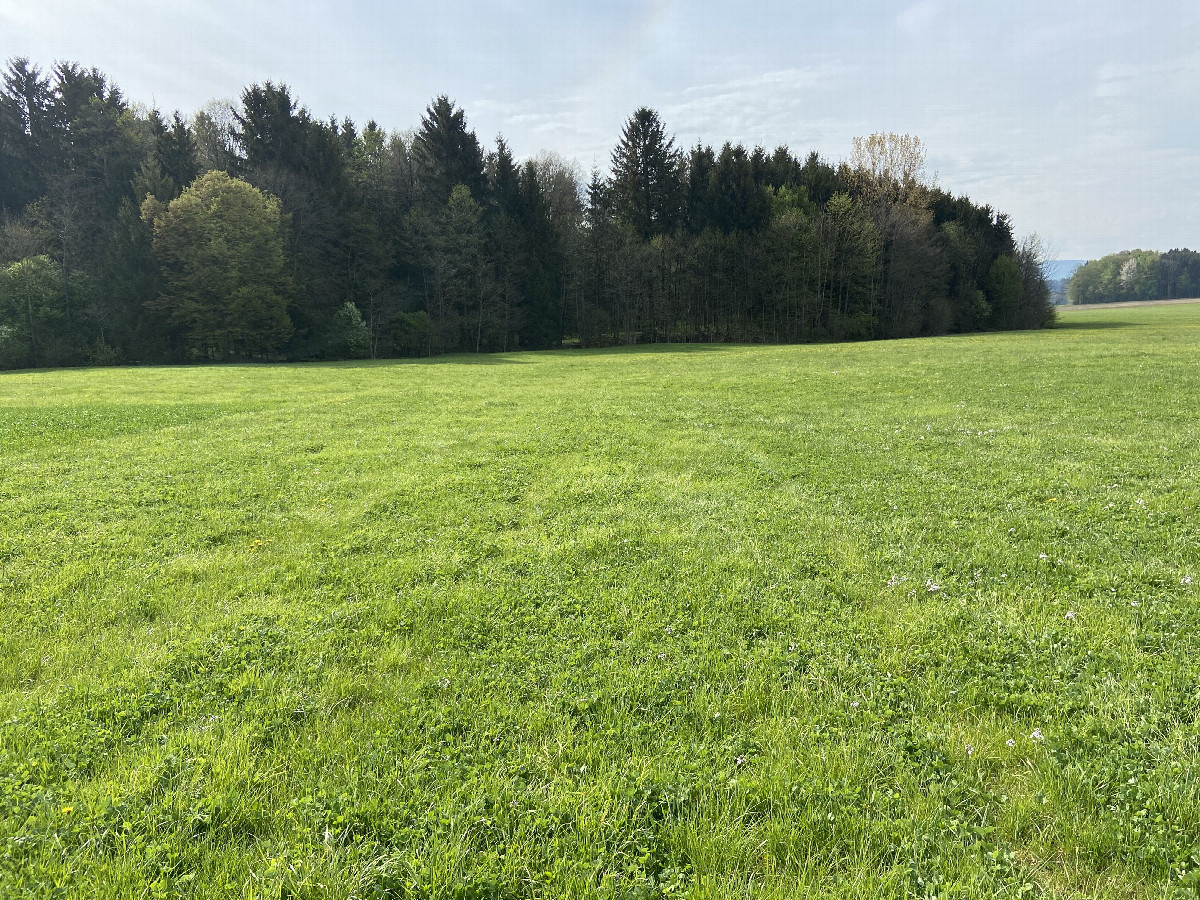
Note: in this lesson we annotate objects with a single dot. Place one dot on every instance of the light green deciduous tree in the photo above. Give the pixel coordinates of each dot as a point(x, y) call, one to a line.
point(220, 249)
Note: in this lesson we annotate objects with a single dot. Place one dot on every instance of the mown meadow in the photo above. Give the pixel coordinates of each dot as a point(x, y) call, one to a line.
point(909, 618)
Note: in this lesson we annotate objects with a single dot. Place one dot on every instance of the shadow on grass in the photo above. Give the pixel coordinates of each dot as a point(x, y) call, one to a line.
point(510, 358)
point(457, 359)
point(1089, 325)
point(523, 357)
point(643, 349)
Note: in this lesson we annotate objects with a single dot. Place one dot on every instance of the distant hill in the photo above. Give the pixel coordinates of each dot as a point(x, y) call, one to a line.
point(1062, 268)
point(1058, 276)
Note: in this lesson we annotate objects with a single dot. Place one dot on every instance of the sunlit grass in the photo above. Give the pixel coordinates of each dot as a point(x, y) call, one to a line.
point(873, 620)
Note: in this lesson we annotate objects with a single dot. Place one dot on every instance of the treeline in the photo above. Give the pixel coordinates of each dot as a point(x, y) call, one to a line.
point(261, 232)
point(1137, 275)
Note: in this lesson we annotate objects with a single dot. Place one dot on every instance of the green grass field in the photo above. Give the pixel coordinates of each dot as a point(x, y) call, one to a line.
point(911, 618)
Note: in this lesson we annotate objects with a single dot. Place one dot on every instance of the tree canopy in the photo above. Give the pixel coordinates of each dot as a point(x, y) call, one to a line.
point(220, 247)
point(647, 182)
point(273, 233)
point(1137, 275)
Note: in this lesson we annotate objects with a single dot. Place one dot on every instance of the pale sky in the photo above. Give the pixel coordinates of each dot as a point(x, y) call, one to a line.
point(1079, 119)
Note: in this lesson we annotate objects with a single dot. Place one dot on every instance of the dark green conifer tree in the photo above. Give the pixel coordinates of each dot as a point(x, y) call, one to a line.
point(647, 176)
point(25, 103)
point(445, 154)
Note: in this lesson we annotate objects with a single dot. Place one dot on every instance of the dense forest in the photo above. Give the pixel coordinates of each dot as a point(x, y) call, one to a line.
point(1137, 275)
point(257, 231)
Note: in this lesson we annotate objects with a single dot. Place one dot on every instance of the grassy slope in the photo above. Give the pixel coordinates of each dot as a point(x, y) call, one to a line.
point(706, 621)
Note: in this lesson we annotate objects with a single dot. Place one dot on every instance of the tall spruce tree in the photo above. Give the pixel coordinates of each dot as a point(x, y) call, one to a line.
point(175, 151)
point(647, 176)
point(25, 102)
point(446, 153)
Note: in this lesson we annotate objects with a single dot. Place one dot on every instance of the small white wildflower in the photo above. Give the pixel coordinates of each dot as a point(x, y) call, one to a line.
point(854, 704)
point(1042, 556)
point(1134, 603)
point(1011, 742)
point(970, 750)
point(740, 761)
point(931, 586)
point(1070, 614)
point(1037, 735)
point(1185, 580)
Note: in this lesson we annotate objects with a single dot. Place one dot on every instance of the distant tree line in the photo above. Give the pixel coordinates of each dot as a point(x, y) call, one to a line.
point(260, 232)
point(1137, 275)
